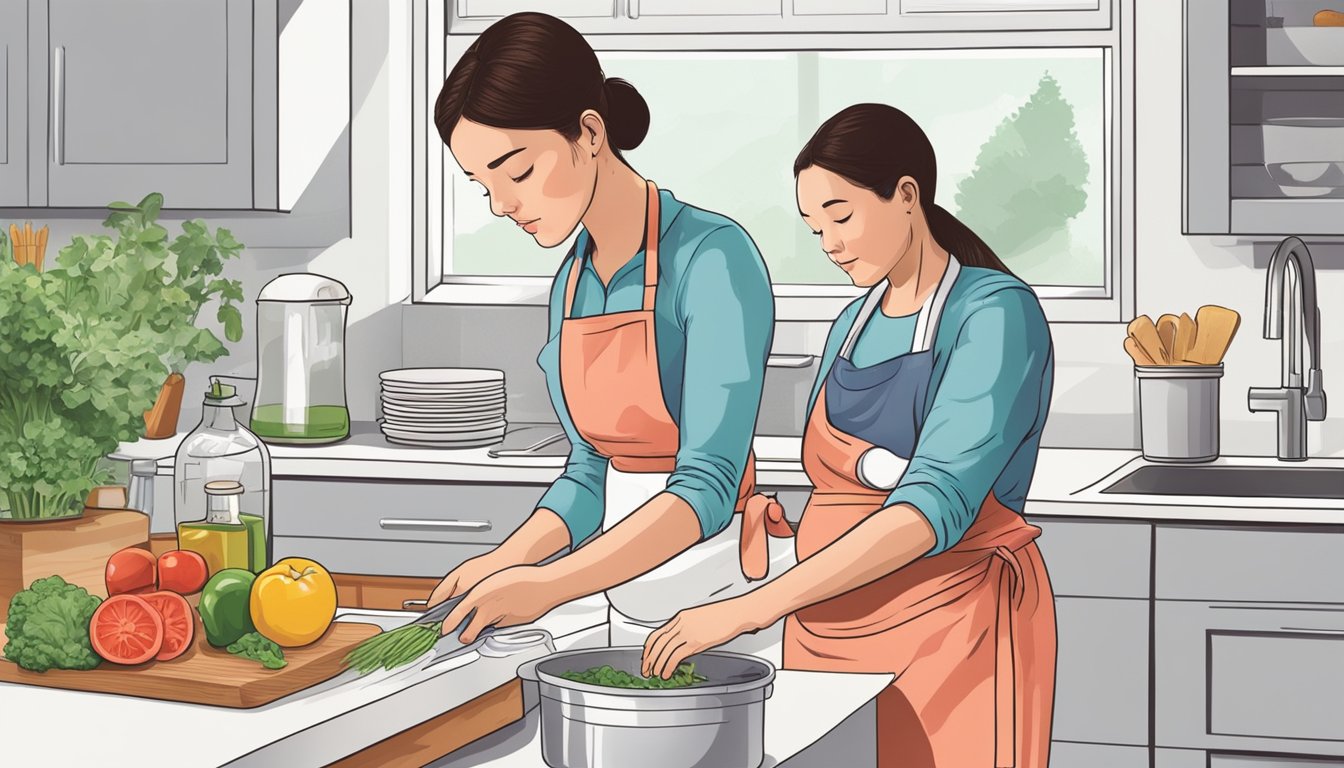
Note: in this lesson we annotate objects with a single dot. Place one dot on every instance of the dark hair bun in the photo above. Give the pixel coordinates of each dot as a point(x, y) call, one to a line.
point(627, 114)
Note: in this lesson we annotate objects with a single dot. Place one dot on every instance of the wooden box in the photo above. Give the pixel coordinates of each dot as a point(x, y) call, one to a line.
point(76, 549)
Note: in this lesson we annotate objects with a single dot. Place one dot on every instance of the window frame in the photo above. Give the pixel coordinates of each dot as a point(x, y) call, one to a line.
point(431, 241)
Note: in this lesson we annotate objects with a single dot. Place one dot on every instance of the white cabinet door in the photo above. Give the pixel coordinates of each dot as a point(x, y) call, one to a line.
point(985, 15)
point(991, 6)
point(705, 8)
point(573, 9)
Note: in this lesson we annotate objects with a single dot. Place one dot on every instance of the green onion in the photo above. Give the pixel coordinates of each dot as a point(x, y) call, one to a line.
point(393, 649)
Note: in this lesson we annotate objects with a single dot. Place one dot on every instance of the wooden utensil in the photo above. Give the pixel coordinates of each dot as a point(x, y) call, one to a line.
point(208, 675)
point(41, 247)
point(1166, 333)
point(1144, 332)
point(1136, 352)
point(16, 244)
point(1214, 328)
point(1185, 338)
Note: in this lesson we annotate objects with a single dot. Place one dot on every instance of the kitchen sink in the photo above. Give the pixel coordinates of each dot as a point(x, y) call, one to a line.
point(1245, 482)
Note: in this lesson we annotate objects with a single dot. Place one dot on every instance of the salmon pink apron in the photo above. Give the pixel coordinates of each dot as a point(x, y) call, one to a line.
point(969, 633)
point(612, 388)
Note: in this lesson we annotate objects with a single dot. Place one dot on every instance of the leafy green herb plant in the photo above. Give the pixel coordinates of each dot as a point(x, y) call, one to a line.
point(86, 344)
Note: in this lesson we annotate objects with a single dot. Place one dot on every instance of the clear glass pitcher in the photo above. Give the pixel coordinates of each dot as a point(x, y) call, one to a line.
point(301, 361)
point(221, 453)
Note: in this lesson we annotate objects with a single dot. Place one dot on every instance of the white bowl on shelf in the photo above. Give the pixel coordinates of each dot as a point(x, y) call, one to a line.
point(1304, 46)
point(1308, 179)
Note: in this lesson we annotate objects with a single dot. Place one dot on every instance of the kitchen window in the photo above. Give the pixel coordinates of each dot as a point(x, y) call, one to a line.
point(1030, 140)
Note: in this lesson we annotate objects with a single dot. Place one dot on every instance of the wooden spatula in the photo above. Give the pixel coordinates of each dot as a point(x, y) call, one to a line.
point(1143, 331)
point(1185, 338)
point(1214, 328)
point(1166, 333)
point(1136, 352)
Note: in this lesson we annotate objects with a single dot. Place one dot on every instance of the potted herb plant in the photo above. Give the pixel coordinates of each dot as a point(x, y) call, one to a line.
point(87, 344)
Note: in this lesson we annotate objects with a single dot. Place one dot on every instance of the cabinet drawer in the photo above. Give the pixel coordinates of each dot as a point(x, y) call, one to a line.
point(1293, 565)
point(1273, 761)
point(839, 7)
point(1067, 754)
point(565, 9)
point(369, 509)
point(1249, 677)
point(1101, 673)
point(704, 8)
point(1096, 558)
point(380, 558)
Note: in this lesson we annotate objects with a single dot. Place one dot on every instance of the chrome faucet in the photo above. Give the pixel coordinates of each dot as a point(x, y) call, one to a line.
point(1290, 299)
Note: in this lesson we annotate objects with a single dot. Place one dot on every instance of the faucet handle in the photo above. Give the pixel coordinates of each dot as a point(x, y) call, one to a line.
point(1314, 399)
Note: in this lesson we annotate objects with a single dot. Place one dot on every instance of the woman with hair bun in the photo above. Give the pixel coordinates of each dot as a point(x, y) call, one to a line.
point(661, 318)
point(921, 440)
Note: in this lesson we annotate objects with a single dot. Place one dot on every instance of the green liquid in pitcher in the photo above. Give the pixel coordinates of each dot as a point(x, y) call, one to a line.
point(322, 423)
point(256, 542)
point(219, 544)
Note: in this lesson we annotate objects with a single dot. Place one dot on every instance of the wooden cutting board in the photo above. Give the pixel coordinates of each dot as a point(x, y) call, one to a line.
point(207, 675)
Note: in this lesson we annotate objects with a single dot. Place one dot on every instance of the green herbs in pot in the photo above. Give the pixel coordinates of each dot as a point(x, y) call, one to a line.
point(256, 647)
point(608, 676)
point(395, 648)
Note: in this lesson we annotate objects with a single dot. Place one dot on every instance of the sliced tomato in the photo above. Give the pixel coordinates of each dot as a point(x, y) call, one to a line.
point(179, 623)
point(125, 629)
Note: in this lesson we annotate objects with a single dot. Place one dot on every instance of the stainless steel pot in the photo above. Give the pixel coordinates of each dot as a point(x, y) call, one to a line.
point(719, 723)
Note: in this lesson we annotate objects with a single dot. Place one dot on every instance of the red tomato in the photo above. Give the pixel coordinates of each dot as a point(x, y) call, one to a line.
point(182, 571)
point(130, 570)
point(126, 630)
point(179, 623)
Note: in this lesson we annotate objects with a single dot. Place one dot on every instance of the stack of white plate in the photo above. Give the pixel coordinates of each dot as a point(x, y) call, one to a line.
point(443, 407)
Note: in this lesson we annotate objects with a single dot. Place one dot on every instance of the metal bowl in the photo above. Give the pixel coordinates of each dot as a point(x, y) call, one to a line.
point(720, 722)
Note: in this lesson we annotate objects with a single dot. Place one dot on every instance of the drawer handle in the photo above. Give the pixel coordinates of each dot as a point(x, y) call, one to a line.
point(1314, 630)
point(789, 361)
point(451, 525)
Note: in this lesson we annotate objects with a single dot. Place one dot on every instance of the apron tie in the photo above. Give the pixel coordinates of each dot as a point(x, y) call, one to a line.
point(1006, 568)
point(762, 517)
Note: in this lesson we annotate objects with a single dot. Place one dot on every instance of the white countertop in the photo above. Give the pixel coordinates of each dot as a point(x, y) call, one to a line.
point(1067, 482)
point(804, 707)
point(312, 727)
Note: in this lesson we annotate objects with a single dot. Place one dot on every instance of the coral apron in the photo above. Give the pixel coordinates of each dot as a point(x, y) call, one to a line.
point(610, 380)
point(969, 632)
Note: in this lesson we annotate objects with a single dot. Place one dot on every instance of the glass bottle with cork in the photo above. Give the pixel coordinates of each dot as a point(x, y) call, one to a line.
point(222, 488)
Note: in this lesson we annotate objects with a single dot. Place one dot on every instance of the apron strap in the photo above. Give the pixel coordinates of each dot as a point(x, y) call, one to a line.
point(572, 283)
point(1009, 576)
point(926, 326)
point(652, 219)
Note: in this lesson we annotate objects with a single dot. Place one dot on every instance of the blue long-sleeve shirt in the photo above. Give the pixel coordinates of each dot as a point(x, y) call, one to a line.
point(993, 371)
point(714, 320)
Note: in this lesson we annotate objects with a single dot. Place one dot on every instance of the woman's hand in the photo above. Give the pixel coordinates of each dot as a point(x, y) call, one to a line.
point(697, 629)
point(513, 596)
point(464, 578)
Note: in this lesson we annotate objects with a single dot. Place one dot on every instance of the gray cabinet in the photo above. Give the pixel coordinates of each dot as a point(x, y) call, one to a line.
point(1064, 754)
point(1263, 121)
point(151, 96)
point(392, 528)
point(1101, 671)
point(1250, 677)
point(14, 98)
point(110, 101)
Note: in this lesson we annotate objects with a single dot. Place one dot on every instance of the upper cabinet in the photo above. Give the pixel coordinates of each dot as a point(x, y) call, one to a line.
point(469, 17)
point(1264, 119)
point(127, 98)
point(13, 97)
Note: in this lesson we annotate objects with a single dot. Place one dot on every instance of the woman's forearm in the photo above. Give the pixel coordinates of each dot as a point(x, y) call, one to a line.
point(543, 534)
point(662, 528)
point(884, 542)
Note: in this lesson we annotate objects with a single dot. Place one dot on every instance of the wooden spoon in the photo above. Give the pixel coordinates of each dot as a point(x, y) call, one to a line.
point(1215, 327)
point(1166, 333)
point(1185, 338)
point(1144, 332)
point(1136, 352)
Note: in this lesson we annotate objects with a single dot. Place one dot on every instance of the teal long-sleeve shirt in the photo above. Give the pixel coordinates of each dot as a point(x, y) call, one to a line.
point(986, 404)
point(714, 321)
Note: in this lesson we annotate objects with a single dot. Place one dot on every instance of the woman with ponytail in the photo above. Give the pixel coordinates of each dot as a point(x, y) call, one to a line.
point(922, 436)
point(661, 318)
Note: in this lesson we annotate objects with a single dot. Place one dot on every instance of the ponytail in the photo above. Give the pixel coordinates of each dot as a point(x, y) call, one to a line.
point(959, 240)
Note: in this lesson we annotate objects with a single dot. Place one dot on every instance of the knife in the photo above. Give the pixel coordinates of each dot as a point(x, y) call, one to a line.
point(449, 646)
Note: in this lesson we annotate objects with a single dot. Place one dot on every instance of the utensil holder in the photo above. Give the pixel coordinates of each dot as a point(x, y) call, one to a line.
point(1178, 412)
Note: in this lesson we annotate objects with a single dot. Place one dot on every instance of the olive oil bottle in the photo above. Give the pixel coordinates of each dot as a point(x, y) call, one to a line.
point(222, 539)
